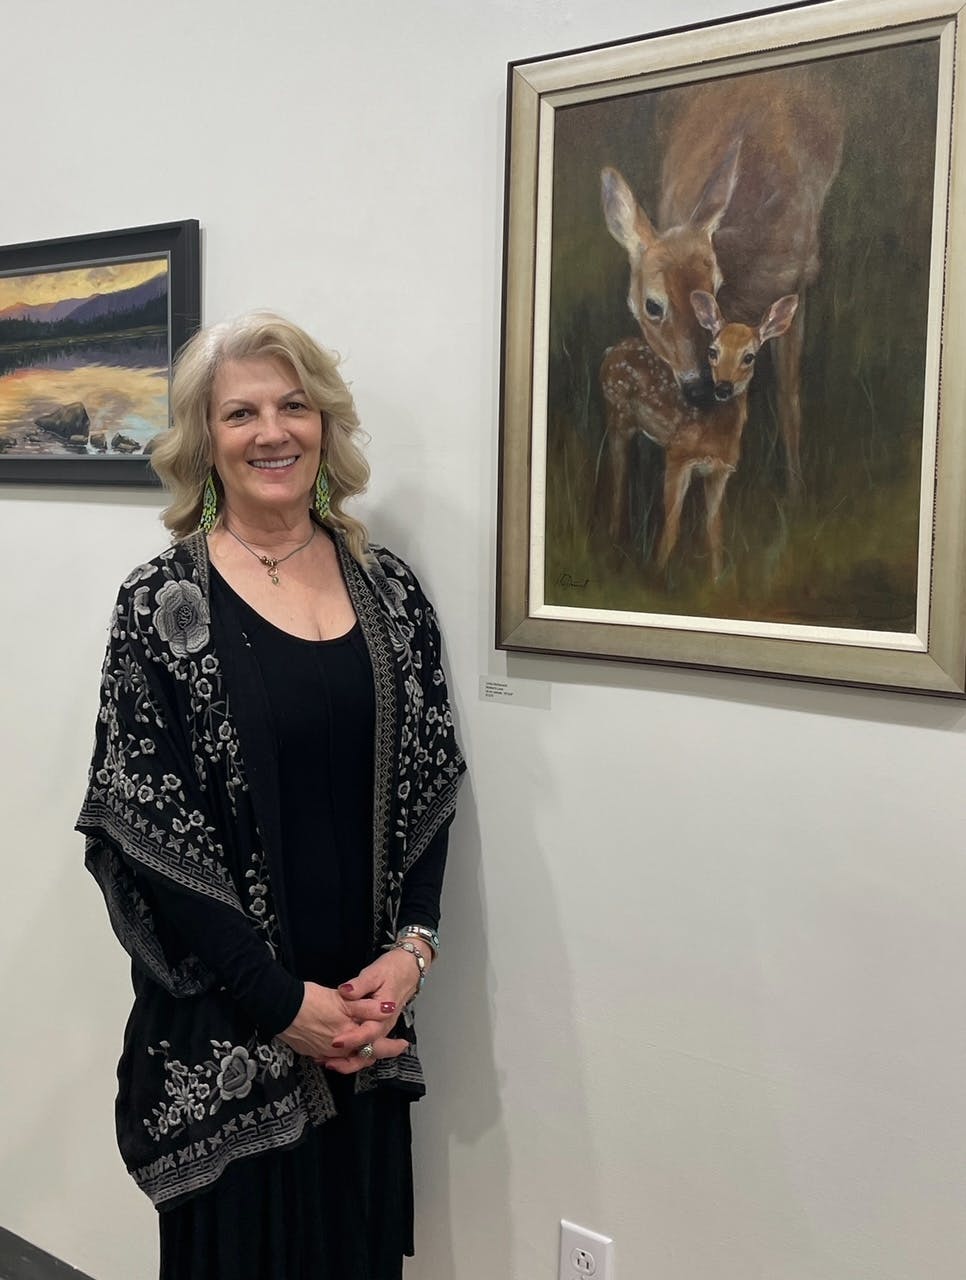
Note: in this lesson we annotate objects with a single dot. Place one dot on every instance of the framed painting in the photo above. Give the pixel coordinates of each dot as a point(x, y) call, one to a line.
point(732, 402)
point(89, 326)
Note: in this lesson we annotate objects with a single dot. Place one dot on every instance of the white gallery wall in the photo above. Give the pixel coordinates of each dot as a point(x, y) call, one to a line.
point(704, 980)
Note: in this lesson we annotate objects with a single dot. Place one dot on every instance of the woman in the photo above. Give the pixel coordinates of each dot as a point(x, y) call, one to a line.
point(274, 775)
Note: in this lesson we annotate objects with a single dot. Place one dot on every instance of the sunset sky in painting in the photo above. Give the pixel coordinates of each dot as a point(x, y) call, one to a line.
point(77, 282)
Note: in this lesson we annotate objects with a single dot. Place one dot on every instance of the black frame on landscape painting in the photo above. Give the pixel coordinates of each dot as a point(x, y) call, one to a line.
point(178, 243)
point(678, 201)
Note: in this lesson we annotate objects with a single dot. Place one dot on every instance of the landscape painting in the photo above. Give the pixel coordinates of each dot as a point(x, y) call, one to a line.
point(86, 345)
point(728, 433)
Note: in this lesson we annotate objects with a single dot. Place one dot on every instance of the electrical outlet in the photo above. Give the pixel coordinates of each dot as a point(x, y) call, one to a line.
point(585, 1255)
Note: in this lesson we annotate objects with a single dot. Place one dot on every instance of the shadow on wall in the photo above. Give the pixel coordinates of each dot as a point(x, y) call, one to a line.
point(485, 1077)
point(456, 1021)
point(841, 702)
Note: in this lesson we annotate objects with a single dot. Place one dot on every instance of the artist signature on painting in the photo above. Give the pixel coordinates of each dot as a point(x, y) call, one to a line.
point(570, 583)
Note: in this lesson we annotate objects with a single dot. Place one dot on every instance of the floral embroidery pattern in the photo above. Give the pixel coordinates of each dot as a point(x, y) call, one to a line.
point(140, 574)
point(194, 1093)
point(181, 617)
point(156, 678)
point(259, 907)
point(198, 1162)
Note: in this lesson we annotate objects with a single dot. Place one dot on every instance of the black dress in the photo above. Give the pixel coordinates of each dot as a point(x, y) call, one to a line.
point(340, 1203)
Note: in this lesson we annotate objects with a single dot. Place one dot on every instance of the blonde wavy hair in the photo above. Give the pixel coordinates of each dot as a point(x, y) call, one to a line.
point(182, 457)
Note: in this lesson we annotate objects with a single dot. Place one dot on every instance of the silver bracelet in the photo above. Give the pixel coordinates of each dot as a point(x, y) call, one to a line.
point(429, 936)
point(420, 959)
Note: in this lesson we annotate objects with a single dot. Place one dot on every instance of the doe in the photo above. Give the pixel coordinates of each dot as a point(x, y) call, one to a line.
point(641, 396)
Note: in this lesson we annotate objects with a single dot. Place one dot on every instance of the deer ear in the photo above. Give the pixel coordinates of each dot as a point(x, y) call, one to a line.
point(707, 311)
point(716, 196)
point(626, 220)
point(778, 317)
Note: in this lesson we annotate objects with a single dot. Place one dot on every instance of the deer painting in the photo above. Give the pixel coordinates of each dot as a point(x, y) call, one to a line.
point(746, 169)
point(641, 395)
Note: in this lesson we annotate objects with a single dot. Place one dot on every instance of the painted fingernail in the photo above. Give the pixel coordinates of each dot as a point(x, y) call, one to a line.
point(346, 986)
point(388, 1006)
point(338, 1044)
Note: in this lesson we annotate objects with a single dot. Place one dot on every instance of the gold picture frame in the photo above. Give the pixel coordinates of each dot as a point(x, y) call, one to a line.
point(835, 554)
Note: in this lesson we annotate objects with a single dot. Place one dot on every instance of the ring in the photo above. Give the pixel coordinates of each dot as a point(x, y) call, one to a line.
point(367, 1051)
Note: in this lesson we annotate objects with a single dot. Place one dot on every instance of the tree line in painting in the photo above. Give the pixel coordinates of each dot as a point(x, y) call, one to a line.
point(141, 308)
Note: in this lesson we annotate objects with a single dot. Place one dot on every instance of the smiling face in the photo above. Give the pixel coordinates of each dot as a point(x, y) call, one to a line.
point(266, 441)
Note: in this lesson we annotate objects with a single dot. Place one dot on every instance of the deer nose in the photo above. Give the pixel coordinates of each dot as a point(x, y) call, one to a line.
point(724, 390)
point(697, 390)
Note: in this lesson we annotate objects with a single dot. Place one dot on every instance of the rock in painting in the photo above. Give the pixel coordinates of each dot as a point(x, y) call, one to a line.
point(124, 444)
point(152, 443)
point(68, 421)
point(99, 441)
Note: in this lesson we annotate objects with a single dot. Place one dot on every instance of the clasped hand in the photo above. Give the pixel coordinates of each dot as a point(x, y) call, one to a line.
point(331, 1026)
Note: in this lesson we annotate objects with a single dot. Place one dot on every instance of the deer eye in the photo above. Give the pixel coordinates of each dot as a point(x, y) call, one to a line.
point(713, 354)
point(748, 358)
point(654, 309)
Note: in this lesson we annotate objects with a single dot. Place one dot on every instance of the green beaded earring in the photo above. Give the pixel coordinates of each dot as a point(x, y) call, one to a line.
point(209, 505)
point(322, 505)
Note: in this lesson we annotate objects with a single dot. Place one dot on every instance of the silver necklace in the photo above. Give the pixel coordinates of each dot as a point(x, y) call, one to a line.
point(271, 563)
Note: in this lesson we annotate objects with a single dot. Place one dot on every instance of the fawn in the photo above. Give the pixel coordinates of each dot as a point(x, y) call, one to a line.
point(641, 395)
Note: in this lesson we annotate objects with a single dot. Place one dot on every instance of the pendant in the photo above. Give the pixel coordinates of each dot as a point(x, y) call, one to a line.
point(272, 567)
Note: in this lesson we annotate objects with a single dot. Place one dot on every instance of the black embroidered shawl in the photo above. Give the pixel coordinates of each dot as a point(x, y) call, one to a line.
point(183, 788)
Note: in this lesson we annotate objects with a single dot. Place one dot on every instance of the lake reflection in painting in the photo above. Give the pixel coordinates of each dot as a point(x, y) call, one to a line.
point(84, 360)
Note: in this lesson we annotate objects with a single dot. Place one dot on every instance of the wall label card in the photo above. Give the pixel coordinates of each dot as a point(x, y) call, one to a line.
point(520, 693)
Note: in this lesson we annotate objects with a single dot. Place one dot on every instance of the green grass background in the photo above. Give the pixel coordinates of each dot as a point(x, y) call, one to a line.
point(846, 556)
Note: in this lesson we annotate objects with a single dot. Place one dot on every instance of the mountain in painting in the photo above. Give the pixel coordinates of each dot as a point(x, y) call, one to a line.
point(42, 310)
point(143, 306)
point(92, 307)
point(115, 304)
